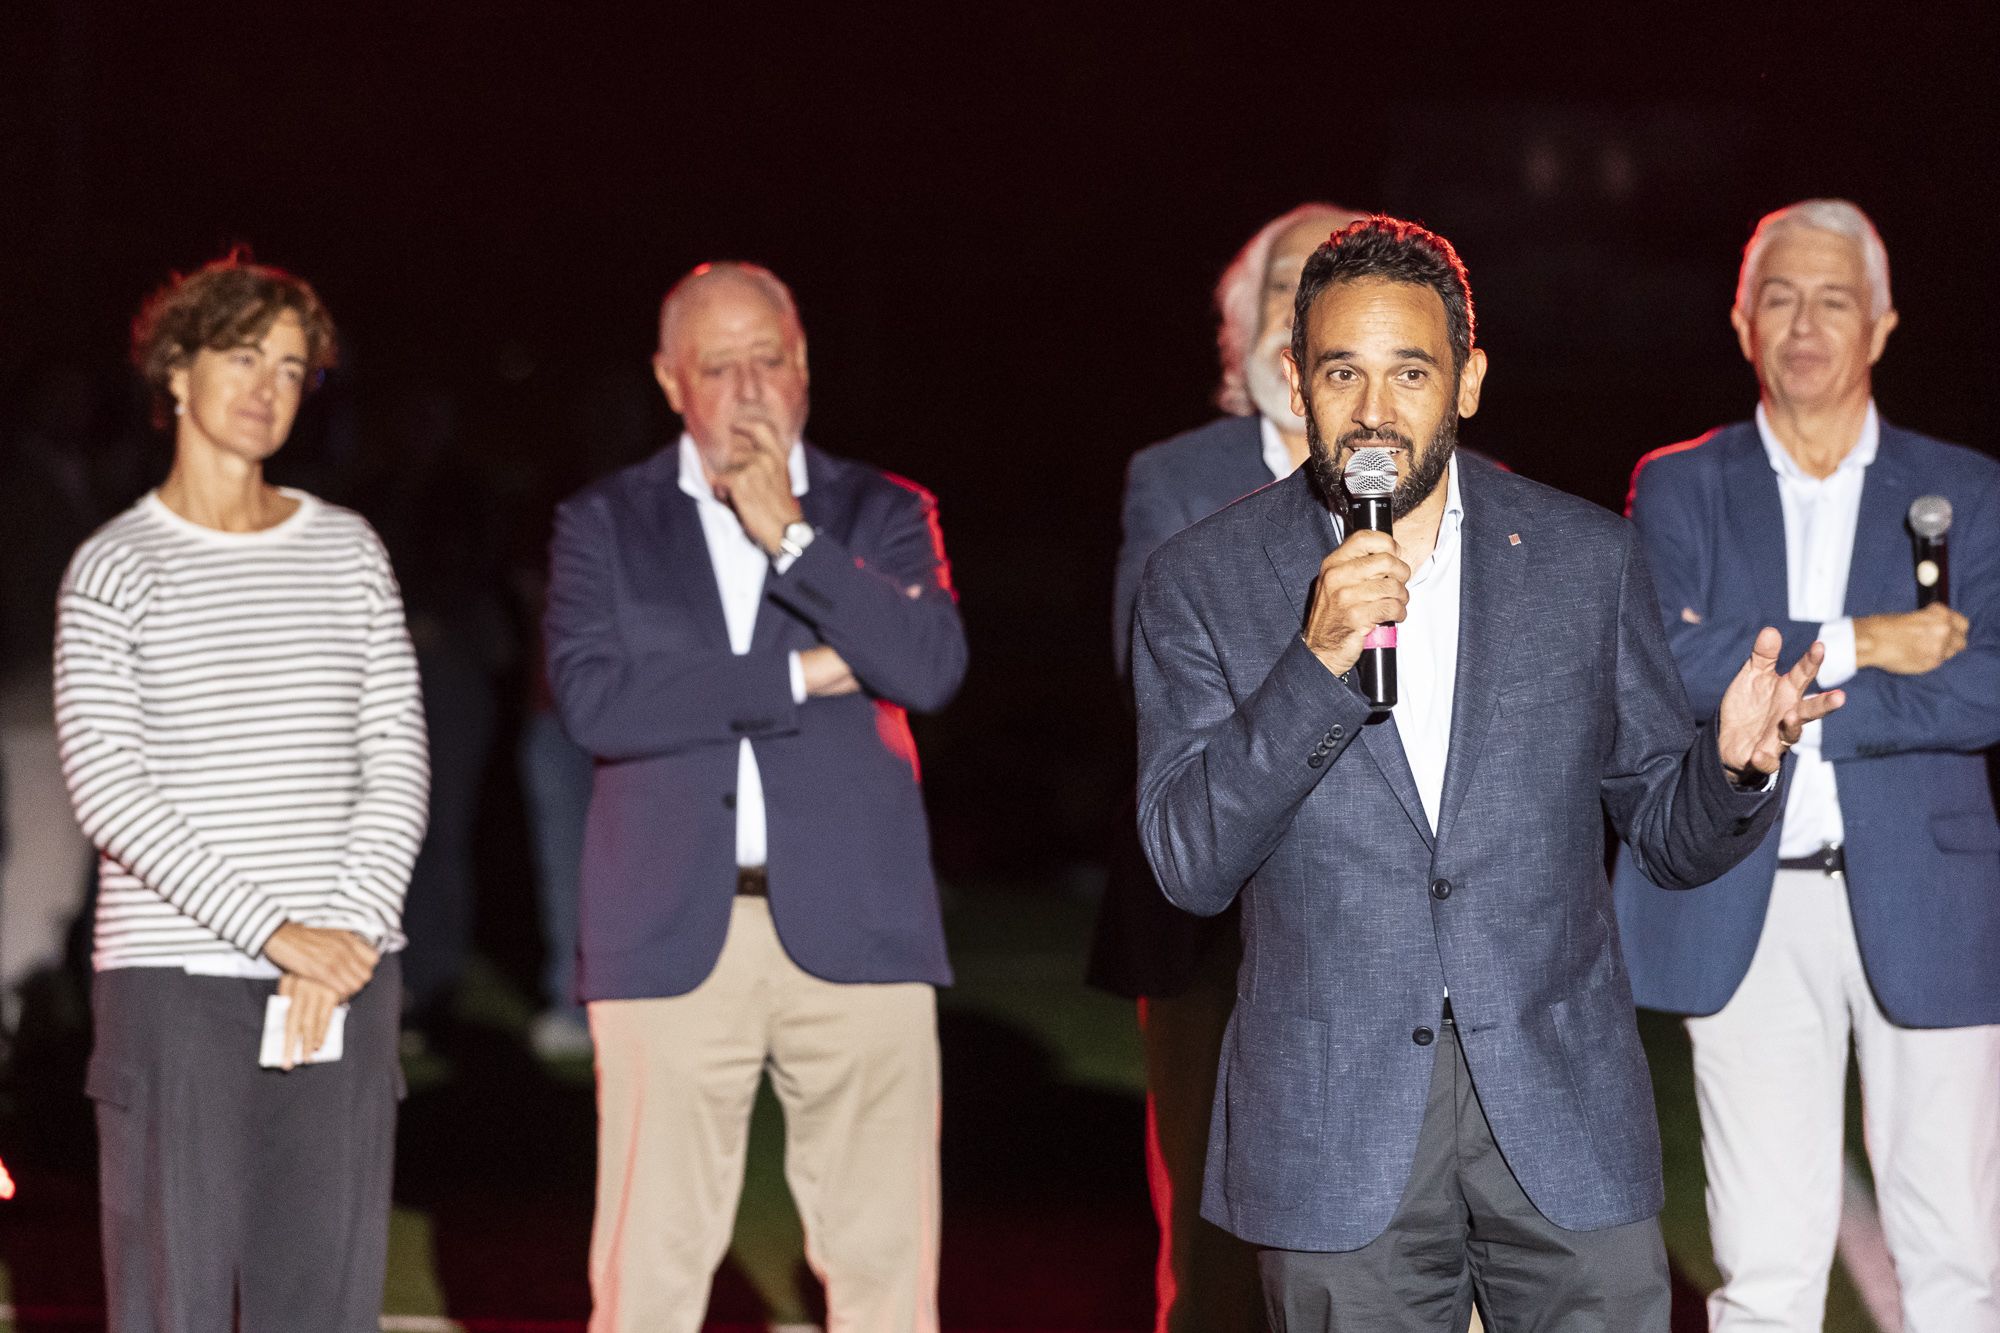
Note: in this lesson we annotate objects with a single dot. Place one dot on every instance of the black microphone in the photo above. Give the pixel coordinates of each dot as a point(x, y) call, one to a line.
point(1370, 477)
point(1930, 519)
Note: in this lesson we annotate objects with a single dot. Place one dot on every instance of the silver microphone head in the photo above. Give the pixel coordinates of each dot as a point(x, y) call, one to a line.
point(1370, 473)
point(1930, 516)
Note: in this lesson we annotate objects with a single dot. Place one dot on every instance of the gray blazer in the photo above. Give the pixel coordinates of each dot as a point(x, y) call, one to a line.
point(1356, 917)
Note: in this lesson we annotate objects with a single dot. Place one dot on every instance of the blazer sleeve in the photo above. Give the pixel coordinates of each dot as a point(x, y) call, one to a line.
point(1220, 781)
point(1151, 512)
point(1708, 629)
point(1957, 706)
point(1664, 785)
point(620, 700)
point(889, 610)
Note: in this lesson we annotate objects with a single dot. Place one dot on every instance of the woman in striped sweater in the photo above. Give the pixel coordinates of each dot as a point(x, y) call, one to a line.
point(243, 737)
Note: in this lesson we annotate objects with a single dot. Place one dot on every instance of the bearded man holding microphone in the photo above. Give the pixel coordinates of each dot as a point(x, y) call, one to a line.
point(1432, 1092)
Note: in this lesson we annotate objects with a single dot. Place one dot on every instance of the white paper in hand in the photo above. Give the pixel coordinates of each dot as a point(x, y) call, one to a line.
point(272, 1054)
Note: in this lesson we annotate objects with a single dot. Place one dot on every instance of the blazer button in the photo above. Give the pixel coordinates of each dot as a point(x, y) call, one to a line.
point(1315, 759)
point(729, 800)
point(1423, 1036)
point(1337, 732)
point(1440, 889)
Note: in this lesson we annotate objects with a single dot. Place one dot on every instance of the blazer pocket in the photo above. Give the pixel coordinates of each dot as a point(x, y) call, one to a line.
point(1608, 1077)
point(1966, 831)
point(1274, 1102)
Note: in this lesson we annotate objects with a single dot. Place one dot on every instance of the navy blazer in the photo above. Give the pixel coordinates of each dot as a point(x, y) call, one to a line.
point(640, 664)
point(1260, 772)
point(1141, 944)
point(1923, 847)
point(1169, 486)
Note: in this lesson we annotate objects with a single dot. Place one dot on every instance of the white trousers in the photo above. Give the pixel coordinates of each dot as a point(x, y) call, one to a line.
point(1770, 1076)
point(44, 857)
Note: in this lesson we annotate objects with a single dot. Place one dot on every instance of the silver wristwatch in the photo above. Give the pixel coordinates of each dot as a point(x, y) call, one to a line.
point(795, 538)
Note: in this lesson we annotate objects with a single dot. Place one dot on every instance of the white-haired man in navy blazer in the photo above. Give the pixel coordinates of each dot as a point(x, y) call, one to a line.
point(1872, 912)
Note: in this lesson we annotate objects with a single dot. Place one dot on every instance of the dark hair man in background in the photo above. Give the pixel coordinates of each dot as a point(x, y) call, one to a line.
point(1424, 899)
point(735, 629)
point(1181, 968)
point(1872, 912)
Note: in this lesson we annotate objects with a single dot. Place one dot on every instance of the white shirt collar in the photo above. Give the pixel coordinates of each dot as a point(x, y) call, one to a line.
point(1277, 454)
point(695, 481)
point(1449, 527)
point(1787, 467)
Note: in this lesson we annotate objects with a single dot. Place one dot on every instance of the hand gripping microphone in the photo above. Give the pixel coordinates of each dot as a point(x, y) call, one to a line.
point(1370, 477)
point(1930, 519)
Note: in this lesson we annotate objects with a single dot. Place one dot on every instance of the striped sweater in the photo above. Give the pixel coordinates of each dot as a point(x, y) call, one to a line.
point(242, 732)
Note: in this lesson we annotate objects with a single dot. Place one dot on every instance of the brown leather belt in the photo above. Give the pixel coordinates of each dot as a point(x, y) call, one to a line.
point(751, 882)
point(1827, 860)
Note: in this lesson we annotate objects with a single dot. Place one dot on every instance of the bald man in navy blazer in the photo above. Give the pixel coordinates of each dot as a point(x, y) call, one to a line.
point(736, 629)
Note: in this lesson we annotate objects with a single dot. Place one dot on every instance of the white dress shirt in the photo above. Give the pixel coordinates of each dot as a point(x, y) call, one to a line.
point(1820, 514)
point(1277, 454)
point(740, 565)
point(1427, 653)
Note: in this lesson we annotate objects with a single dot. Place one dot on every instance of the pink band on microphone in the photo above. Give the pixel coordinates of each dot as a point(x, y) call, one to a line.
point(1382, 636)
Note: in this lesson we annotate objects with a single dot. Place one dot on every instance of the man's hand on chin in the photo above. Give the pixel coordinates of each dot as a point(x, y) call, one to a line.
point(760, 491)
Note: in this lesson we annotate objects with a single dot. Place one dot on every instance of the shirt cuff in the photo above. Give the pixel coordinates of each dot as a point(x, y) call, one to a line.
point(1838, 667)
point(784, 562)
point(1770, 781)
point(798, 668)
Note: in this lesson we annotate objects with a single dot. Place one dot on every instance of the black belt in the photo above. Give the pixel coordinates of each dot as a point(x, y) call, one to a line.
point(1827, 860)
point(751, 882)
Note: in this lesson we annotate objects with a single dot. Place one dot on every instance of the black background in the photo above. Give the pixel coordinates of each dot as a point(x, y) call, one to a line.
point(1003, 224)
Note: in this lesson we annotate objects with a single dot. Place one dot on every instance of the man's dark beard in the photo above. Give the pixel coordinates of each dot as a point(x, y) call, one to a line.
point(1420, 473)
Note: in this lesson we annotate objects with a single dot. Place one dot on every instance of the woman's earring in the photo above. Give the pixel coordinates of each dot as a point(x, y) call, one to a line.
point(180, 407)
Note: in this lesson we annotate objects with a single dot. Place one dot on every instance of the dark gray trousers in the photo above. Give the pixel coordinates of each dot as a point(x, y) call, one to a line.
point(1466, 1230)
point(235, 1196)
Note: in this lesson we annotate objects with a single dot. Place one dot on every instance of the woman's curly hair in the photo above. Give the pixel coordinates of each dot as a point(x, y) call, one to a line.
point(225, 303)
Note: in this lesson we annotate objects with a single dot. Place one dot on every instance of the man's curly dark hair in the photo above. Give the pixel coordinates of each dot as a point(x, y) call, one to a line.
point(1380, 246)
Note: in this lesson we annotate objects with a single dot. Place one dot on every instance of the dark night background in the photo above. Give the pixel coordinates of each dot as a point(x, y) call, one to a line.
point(1003, 225)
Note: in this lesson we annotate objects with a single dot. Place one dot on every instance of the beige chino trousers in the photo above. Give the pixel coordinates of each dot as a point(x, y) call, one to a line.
point(855, 1067)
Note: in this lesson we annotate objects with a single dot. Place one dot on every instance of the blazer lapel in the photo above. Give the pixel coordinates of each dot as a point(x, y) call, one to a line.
point(676, 530)
point(1757, 517)
point(1385, 745)
point(1298, 536)
point(1881, 546)
point(1491, 570)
